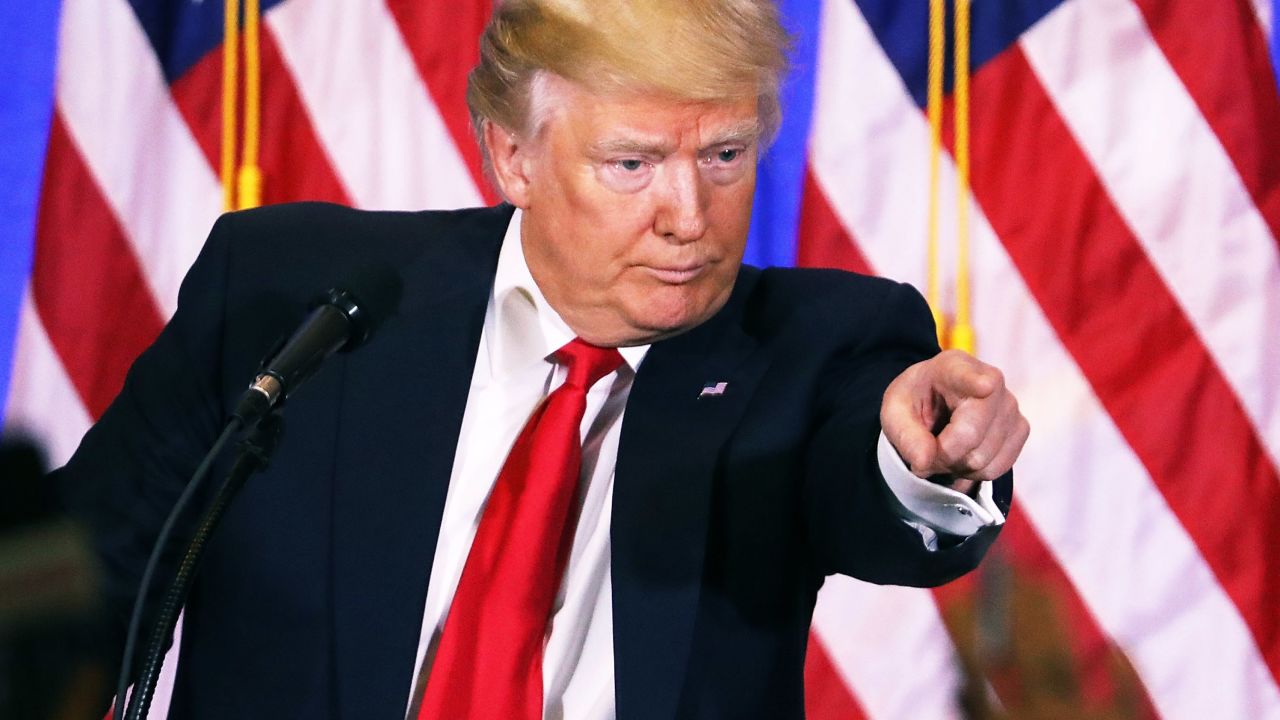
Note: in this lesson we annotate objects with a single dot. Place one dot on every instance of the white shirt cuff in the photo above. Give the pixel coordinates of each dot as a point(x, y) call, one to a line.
point(931, 508)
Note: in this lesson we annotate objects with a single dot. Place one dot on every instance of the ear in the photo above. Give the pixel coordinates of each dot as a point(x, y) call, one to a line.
point(510, 156)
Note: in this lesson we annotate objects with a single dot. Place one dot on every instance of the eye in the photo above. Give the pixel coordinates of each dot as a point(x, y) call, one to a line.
point(625, 175)
point(726, 164)
point(724, 158)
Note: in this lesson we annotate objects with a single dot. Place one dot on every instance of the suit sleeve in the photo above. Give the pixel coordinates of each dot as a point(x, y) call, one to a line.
point(134, 462)
point(854, 524)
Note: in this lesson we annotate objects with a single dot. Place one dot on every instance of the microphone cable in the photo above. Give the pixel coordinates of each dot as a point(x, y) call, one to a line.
point(162, 540)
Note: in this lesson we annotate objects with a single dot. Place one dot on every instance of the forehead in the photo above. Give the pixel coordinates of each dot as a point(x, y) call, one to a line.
point(616, 119)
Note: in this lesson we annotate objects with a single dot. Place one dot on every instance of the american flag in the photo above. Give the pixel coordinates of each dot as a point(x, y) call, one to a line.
point(1125, 266)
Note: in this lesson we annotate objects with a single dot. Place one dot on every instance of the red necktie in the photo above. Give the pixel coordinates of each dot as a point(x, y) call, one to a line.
point(489, 662)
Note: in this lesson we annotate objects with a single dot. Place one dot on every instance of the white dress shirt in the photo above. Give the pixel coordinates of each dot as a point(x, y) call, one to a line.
point(513, 373)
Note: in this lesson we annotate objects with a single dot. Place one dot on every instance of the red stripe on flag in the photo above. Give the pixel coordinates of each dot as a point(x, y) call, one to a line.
point(821, 240)
point(88, 286)
point(1129, 336)
point(1219, 51)
point(826, 697)
point(294, 164)
point(444, 39)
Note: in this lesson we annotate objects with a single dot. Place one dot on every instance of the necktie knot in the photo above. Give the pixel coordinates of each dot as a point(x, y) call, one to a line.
point(587, 363)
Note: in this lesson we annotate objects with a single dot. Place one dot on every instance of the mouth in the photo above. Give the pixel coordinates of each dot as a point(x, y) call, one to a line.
point(676, 274)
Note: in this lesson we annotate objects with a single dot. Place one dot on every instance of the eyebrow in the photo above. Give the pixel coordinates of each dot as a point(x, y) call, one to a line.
point(745, 132)
point(631, 147)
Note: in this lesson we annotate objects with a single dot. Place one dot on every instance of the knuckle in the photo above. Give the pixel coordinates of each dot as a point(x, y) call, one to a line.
point(978, 459)
point(988, 382)
point(964, 437)
point(996, 375)
point(917, 459)
point(1011, 405)
point(988, 474)
point(951, 454)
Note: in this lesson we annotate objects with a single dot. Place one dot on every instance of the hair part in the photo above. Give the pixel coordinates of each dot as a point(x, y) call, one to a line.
point(689, 50)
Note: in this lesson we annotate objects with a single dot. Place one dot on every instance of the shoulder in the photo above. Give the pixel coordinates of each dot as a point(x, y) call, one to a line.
point(824, 301)
point(259, 267)
point(302, 246)
point(318, 215)
point(316, 228)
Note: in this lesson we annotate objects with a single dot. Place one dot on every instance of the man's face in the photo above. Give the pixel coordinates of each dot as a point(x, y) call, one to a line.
point(636, 208)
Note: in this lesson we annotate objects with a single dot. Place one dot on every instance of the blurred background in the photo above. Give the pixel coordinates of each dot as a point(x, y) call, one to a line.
point(1091, 202)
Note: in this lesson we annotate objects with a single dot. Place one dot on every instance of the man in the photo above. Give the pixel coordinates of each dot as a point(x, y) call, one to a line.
point(410, 553)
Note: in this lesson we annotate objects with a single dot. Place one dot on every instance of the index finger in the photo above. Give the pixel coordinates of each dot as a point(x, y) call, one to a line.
point(964, 376)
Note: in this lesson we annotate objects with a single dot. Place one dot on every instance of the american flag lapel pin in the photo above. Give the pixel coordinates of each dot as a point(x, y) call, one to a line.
point(713, 389)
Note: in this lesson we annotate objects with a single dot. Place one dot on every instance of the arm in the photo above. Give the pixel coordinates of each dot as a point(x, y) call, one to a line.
point(131, 466)
point(856, 527)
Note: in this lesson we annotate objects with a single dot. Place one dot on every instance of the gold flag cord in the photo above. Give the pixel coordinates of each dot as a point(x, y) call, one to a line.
point(250, 178)
point(230, 69)
point(936, 42)
point(242, 185)
point(961, 335)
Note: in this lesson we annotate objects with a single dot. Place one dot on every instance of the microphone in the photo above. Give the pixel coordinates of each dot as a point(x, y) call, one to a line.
point(341, 320)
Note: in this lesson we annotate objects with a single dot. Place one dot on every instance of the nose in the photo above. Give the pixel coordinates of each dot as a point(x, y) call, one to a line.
point(682, 216)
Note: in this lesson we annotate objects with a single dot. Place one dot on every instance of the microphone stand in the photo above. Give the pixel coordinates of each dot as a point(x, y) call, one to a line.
point(254, 455)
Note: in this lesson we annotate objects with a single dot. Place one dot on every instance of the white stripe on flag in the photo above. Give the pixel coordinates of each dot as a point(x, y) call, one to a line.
point(890, 646)
point(1175, 186)
point(134, 141)
point(369, 106)
point(1262, 8)
point(42, 401)
point(1083, 489)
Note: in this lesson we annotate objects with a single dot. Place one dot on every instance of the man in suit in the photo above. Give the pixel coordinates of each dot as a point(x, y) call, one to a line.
point(747, 433)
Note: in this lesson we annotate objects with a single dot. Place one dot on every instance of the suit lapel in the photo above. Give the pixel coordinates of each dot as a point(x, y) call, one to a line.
point(667, 460)
point(403, 401)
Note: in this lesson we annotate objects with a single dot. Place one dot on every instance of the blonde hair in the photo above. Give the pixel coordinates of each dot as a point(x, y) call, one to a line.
point(692, 50)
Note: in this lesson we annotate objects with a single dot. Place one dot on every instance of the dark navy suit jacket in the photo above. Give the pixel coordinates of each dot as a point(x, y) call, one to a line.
point(728, 511)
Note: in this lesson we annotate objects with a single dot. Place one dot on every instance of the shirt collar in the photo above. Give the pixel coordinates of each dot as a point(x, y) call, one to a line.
point(526, 328)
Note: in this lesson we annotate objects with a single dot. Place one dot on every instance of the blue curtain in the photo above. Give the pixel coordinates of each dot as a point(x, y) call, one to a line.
point(28, 33)
point(780, 178)
point(1275, 38)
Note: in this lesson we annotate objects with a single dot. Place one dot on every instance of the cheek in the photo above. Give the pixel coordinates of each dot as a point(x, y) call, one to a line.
point(733, 216)
point(597, 265)
point(609, 227)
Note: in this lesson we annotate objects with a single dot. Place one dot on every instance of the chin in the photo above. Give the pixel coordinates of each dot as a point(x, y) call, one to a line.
point(664, 317)
point(654, 311)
